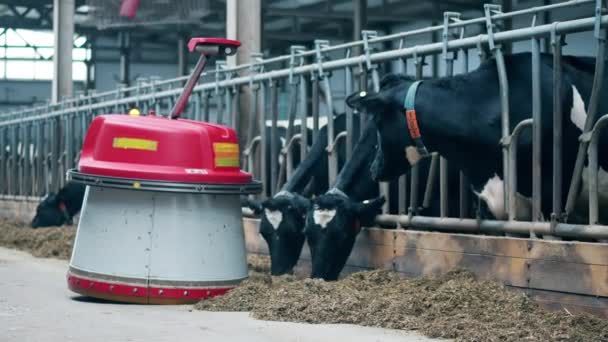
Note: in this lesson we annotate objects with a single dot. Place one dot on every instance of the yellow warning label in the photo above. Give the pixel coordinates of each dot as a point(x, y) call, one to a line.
point(225, 147)
point(226, 154)
point(135, 144)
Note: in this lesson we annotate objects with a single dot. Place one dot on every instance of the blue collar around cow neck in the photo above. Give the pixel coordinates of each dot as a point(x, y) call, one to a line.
point(412, 120)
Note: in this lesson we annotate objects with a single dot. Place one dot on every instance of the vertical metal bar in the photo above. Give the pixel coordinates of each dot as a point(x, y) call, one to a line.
point(219, 103)
point(449, 72)
point(512, 145)
point(415, 171)
point(359, 22)
point(21, 159)
point(348, 89)
point(54, 155)
point(253, 111)
point(14, 160)
point(197, 106)
point(287, 166)
point(40, 167)
point(593, 139)
point(592, 108)
point(556, 43)
point(206, 106)
point(236, 99)
point(333, 153)
point(303, 116)
point(69, 142)
point(431, 180)
point(315, 107)
point(26, 189)
point(274, 137)
point(362, 87)
point(402, 184)
point(489, 10)
point(384, 187)
point(46, 153)
point(228, 98)
point(443, 187)
point(464, 188)
point(264, 139)
point(3, 161)
point(536, 132)
point(593, 177)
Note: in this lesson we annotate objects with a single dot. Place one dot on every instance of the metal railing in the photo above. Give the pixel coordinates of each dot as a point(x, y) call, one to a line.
point(39, 144)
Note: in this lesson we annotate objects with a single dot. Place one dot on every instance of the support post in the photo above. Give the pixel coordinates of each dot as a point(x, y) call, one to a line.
point(359, 22)
point(182, 56)
point(507, 24)
point(63, 35)
point(244, 23)
point(124, 39)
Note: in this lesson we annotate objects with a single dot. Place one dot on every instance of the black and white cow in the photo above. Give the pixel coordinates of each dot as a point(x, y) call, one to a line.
point(59, 209)
point(335, 218)
point(460, 117)
point(283, 216)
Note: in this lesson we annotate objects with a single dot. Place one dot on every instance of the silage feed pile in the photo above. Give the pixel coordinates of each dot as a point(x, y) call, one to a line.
point(454, 305)
point(55, 242)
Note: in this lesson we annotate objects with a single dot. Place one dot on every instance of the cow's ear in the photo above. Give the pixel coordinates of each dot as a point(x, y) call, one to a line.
point(372, 103)
point(366, 211)
point(254, 205)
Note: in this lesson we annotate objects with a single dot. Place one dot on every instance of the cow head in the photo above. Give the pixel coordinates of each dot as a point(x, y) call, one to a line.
point(51, 212)
point(282, 227)
point(396, 151)
point(332, 224)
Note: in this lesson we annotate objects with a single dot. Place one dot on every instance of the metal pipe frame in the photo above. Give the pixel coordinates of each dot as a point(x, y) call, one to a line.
point(556, 44)
point(536, 133)
point(511, 143)
point(492, 226)
point(564, 27)
point(41, 126)
point(593, 138)
point(592, 110)
point(415, 171)
point(504, 90)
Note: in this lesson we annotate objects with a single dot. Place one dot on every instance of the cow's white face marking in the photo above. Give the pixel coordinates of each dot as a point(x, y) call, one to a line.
point(578, 115)
point(323, 216)
point(493, 195)
point(274, 217)
point(412, 155)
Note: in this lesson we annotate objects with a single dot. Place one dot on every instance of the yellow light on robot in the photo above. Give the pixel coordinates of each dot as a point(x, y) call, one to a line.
point(134, 112)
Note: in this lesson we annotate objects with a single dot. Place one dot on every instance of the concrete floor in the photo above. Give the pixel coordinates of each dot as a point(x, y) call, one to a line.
point(35, 305)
